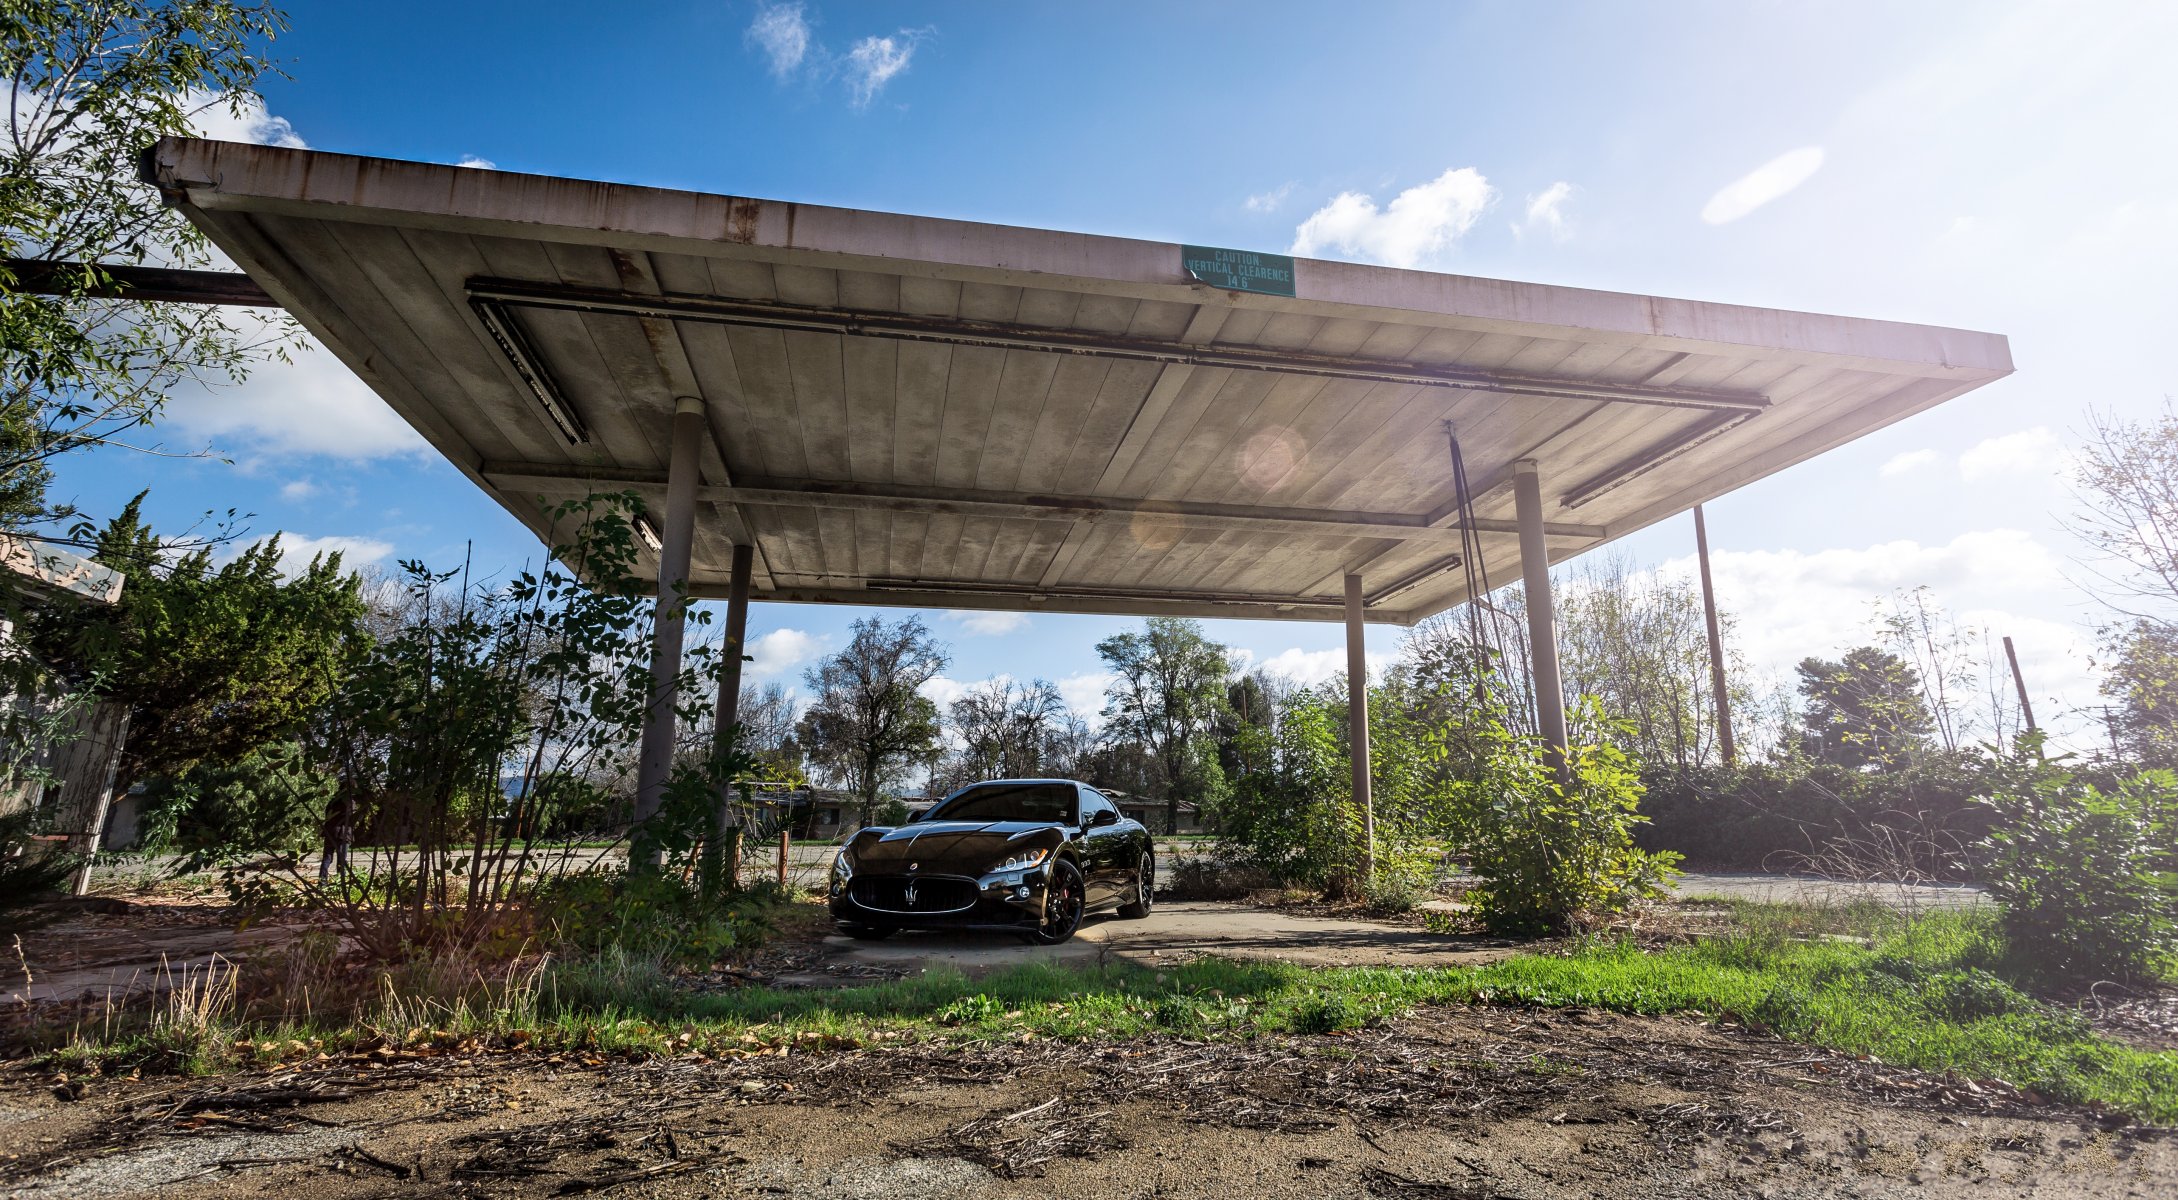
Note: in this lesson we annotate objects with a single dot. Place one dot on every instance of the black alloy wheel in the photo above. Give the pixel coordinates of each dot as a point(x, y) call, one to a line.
point(1145, 890)
point(1063, 900)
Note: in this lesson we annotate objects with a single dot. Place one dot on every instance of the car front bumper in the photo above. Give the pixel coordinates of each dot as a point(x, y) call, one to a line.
point(1003, 899)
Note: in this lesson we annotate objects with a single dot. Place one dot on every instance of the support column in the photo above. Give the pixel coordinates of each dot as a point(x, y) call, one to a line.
point(1716, 644)
point(677, 537)
point(1357, 724)
point(1542, 617)
point(726, 826)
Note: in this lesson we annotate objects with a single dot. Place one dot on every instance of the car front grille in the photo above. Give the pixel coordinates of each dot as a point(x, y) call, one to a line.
point(920, 894)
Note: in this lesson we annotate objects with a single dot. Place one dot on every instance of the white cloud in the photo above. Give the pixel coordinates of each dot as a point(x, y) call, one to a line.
point(1789, 604)
point(1084, 693)
point(313, 405)
point(782, 32)
point(243, 120)
point(1263, 202)
point(989, 624)
point(873, 61)
point(2033, 450)
point(1310, 667)
point(298, 489)
point(1546, 213)
point(1910, 461)
point(780, 651)
point(1762, 185)
point(1419, 223)
point(481, 164)
point(942, 690)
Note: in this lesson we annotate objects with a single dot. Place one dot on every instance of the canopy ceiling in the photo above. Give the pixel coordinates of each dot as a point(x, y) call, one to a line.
point(913, 411)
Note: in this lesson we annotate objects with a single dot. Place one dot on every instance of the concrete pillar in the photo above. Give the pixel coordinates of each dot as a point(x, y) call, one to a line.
point(729, 677)
point(1542, 619)
point(677, 537)
point(1357, 723)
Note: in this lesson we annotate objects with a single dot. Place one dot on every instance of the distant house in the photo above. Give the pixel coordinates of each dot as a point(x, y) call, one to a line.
point(64, 771)
point(1152, 812)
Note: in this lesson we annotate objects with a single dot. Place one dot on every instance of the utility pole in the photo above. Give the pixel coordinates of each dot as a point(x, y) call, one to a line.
point(1716, 643)
point(2019, 681)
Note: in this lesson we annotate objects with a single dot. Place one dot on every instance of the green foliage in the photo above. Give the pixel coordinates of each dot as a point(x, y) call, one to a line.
point(2088, 879)
point(868, 720)
point(92, 83)
point(892, 812)
point(213, 659)
point(1285, 816)
point(1330, 1013)
point(1168, 688)
point(273, 800)
point(29, 870)
point(481, 718)
point(1865, 709)
point(649, 914)
point(1555, 849)
point(968, 1010)
point(2142, 683)
point(1915, 819)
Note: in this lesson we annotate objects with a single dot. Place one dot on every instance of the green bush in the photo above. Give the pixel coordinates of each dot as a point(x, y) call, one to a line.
point(30, 870)
point(1329, 1014)
point(649, 914)
point(271, 801)
point(1555, 851)
point(968, 1010)
point(2083, 876)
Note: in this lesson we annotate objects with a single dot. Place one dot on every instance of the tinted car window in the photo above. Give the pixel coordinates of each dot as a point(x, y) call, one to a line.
point(1043, 802)
point(1092, 803)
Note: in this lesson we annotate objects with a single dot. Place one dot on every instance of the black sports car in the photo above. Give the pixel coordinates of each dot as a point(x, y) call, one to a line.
point(1030, 855)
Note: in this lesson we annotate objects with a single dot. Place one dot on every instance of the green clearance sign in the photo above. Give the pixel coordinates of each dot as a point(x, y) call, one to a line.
point(1239, 270)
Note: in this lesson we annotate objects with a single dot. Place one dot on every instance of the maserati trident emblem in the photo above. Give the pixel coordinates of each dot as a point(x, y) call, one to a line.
point(911, 895)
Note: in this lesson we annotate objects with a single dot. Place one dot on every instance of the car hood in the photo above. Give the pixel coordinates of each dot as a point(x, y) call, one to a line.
point(947, 847)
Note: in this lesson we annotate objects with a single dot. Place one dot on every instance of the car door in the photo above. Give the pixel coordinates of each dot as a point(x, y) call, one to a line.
point(1104, 848)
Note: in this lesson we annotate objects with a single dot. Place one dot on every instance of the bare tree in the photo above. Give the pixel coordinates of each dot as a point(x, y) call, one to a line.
point(2126, 481)
point(1011, 730)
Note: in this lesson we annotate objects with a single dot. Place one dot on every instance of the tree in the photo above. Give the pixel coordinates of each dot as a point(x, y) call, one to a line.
point(213, 660)
point(1169, 686)
point(93, 82)
point(2142, 685)
point(1865, 709)
point(870, 722)
point(1637, 642)
point(1011, 731)
point(2126, 479)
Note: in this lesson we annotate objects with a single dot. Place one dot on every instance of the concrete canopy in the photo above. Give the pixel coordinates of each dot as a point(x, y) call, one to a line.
point(922, 412)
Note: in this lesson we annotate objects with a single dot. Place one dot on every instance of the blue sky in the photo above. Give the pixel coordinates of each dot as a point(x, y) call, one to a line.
point(2009, 167)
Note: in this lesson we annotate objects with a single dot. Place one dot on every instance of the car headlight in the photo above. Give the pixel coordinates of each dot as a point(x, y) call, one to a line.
point(1022, 860)
point(841, 869)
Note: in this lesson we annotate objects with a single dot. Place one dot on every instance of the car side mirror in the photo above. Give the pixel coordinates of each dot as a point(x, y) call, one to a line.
point(1104, 816)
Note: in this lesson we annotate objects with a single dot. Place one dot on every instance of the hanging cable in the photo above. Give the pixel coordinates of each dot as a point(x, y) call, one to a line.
point(1476, 573)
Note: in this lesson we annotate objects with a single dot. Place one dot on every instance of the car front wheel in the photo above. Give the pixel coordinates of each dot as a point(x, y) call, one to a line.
point(1063, 901)
point(1145, 890)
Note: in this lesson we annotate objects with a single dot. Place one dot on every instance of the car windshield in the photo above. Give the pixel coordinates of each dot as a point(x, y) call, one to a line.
point(1051, 803)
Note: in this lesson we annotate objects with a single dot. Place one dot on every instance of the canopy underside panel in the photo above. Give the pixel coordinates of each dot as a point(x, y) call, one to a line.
point(903, 410)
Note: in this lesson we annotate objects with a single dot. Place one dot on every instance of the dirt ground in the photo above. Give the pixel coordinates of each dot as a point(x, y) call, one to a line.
point(1458, 1104)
